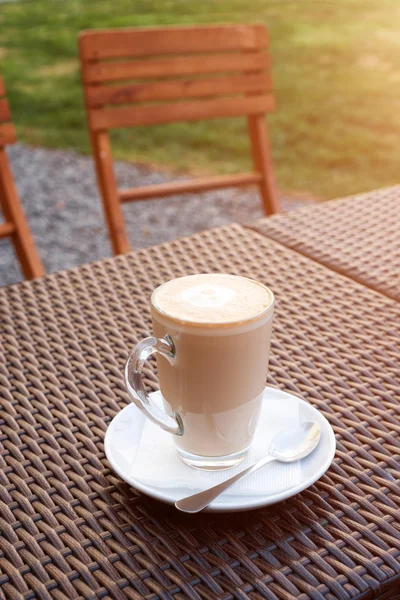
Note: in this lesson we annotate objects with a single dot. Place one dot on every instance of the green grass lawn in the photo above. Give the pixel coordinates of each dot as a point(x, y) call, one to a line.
point(336, 129)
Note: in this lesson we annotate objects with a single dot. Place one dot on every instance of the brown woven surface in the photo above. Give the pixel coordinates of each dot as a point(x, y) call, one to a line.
point(358, 236)
point(71, 528)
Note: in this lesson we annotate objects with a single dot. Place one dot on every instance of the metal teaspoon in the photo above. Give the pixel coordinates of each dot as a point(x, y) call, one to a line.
point(287, 446)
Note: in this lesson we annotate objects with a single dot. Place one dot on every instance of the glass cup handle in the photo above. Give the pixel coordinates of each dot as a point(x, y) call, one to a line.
point(135, 386)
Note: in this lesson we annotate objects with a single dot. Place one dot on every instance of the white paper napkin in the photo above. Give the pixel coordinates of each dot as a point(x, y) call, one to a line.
point(157, 462)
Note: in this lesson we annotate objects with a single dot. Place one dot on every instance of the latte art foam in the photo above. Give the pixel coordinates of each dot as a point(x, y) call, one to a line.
point(212, 298)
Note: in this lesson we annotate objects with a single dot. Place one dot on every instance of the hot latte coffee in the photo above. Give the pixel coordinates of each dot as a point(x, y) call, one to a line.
point(220, 327)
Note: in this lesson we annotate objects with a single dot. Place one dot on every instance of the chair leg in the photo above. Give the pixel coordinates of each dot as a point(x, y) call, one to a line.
point(109, 193)
point(24, 245)
point(263, 163)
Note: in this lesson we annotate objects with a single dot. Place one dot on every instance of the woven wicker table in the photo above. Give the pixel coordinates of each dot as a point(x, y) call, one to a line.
point(70, 528)
point(358, 236)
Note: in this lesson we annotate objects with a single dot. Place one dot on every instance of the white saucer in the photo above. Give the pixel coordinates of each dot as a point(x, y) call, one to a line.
point(123, 436)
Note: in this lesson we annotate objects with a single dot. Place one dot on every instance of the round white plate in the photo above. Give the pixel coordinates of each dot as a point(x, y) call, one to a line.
point(123, 436)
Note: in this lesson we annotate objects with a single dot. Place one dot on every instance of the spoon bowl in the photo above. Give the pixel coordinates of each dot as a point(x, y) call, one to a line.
point(295, 443)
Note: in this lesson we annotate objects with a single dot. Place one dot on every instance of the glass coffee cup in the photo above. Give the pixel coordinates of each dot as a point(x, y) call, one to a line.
point(212, 336)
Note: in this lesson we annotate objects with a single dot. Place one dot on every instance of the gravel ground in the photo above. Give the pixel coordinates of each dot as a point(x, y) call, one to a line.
point(59, 193)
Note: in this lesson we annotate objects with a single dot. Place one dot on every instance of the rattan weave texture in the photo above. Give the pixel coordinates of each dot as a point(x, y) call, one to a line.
point(70, 528)
point(358, 236)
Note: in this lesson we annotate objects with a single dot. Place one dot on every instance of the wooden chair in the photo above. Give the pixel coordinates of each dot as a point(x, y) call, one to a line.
point(149, 76)
point(15, 224)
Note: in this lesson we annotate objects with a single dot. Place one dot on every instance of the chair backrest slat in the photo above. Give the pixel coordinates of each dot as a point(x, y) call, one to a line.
point(102, 119)
point(5, 114)
point(107, 44)
point(191, 72)
point(174, 67)
point(178, 89)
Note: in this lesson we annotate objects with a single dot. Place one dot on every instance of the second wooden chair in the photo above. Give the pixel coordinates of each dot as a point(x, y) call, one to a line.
point(15, 225)
point(137, 77)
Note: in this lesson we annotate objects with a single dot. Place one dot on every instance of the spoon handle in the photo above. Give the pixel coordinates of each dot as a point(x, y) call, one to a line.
point(196, 502)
